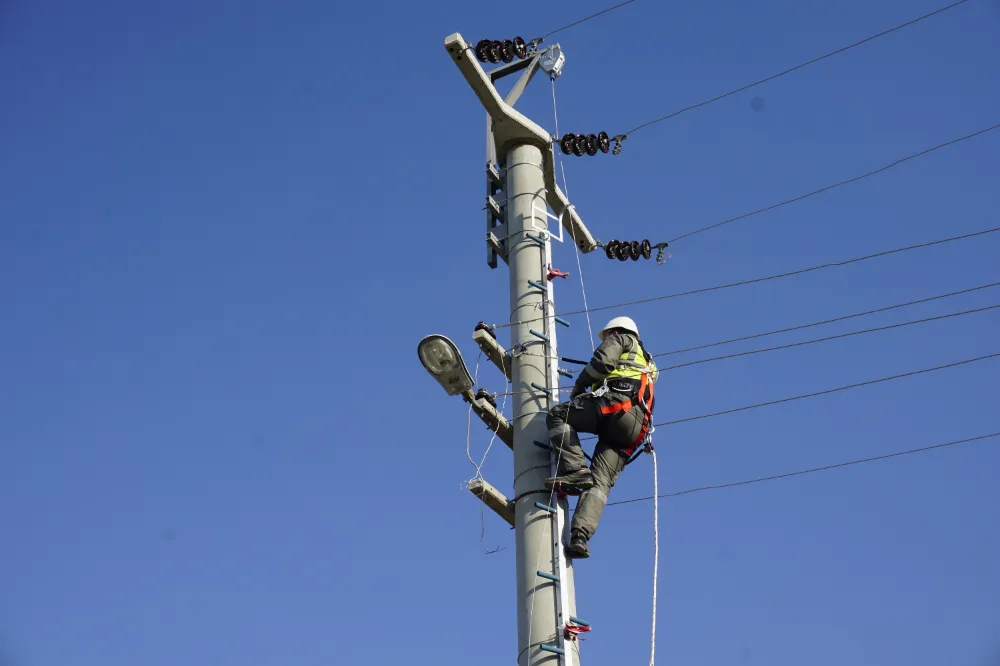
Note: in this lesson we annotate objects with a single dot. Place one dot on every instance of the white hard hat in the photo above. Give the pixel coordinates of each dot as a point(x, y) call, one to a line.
point(619, 322)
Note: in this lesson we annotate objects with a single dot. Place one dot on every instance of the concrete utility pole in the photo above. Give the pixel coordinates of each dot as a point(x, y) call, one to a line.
point(520, 190)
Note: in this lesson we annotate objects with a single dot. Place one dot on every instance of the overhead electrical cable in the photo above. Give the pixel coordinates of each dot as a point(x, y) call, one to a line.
point(819, 393)
point(836, 185)
point(831, 337)
point(811, 470)
point(587, 18)
point(767, 278)
point(797, 67)
point(828, 391)
point(827, 321)
point(793, 344)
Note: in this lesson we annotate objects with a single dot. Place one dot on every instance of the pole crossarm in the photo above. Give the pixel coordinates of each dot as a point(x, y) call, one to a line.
point(492, 417)
point(494, 499)
point(510, 128)
point(493, 350)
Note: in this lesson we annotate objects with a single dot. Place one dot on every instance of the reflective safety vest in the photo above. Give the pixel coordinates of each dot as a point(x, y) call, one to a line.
point(639, 370)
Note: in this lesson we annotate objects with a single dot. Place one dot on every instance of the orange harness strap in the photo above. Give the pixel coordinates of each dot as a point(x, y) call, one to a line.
point(644, 402)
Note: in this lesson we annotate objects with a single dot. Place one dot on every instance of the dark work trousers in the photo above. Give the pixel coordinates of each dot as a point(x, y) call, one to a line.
point(616, 433)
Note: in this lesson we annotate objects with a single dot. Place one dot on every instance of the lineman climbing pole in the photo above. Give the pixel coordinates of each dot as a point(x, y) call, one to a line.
point(521, 187)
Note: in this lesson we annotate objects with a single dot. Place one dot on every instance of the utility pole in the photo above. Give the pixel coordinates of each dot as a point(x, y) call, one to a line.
point(520, 190)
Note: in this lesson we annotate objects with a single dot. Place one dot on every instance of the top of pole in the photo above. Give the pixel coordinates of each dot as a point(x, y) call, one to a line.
point(510, 128)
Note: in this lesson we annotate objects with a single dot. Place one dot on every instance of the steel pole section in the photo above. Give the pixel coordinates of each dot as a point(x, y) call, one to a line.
point(537, 618)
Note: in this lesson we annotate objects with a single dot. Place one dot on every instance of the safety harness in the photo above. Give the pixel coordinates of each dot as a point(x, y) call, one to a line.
point(635, 367)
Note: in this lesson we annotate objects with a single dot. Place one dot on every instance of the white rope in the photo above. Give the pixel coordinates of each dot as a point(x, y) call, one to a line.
point(468, 430)
point(576, 248)
point(479, 465)
point(656, 551)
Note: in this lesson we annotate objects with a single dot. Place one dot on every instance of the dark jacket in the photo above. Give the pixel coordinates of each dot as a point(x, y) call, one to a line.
point(604, 362)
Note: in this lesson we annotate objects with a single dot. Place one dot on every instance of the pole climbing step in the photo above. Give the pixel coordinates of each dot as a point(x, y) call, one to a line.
point(540, 336)
point(548, 576)
point(552, 648)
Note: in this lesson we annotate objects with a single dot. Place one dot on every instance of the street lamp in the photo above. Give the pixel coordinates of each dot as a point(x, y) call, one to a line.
point(443, 361)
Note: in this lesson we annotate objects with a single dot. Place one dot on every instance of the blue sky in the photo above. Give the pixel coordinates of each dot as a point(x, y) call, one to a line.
point(225, 226)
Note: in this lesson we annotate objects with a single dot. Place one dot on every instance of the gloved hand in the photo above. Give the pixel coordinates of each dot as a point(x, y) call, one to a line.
point(582, 384)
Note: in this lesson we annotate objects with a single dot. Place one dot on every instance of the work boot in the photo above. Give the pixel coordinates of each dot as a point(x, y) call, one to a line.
point(578, 547)
point(578, 481)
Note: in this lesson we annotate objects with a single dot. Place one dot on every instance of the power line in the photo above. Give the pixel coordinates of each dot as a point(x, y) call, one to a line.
point(584, 20)
point(812, 470)
point(826, 321)
point(801, 271)
point(828, 391)
point(836, 185)
point(832, 337)
point(797, 67)
point(790, 345)
point(818, 393)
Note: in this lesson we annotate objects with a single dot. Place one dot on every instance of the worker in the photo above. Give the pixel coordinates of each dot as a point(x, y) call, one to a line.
point(612, 398)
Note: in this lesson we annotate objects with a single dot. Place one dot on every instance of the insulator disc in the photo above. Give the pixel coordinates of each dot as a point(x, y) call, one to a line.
point(580, 145)
point(611, 249)
point(495, 51)
point(520, 48)
point(623, 251)
point(591, 144)
point(603, 142)
point(646, 249)
point(566, 143)
point(483, 50)
point(634, 250)
point(507, 50)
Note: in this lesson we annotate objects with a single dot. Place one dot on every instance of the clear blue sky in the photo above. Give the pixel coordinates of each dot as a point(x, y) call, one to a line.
point(224, 227)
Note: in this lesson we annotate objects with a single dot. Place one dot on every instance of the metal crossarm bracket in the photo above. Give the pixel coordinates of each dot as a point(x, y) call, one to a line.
point(494, 499)
point(492, 417)
point(493, 350)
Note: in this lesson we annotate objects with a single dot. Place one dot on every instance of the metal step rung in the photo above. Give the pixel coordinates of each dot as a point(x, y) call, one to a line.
point(537, 285)
point(540, 336)
point(494, 208)
point(542, 445)
point(536, 239)
point(544, 507)
point(551, 648)
point(540, 388)
point(560, 320)
point(576, 620)
point(548, 576)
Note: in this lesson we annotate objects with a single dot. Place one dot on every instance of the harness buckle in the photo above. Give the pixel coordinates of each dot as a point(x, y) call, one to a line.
point(600, 392)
